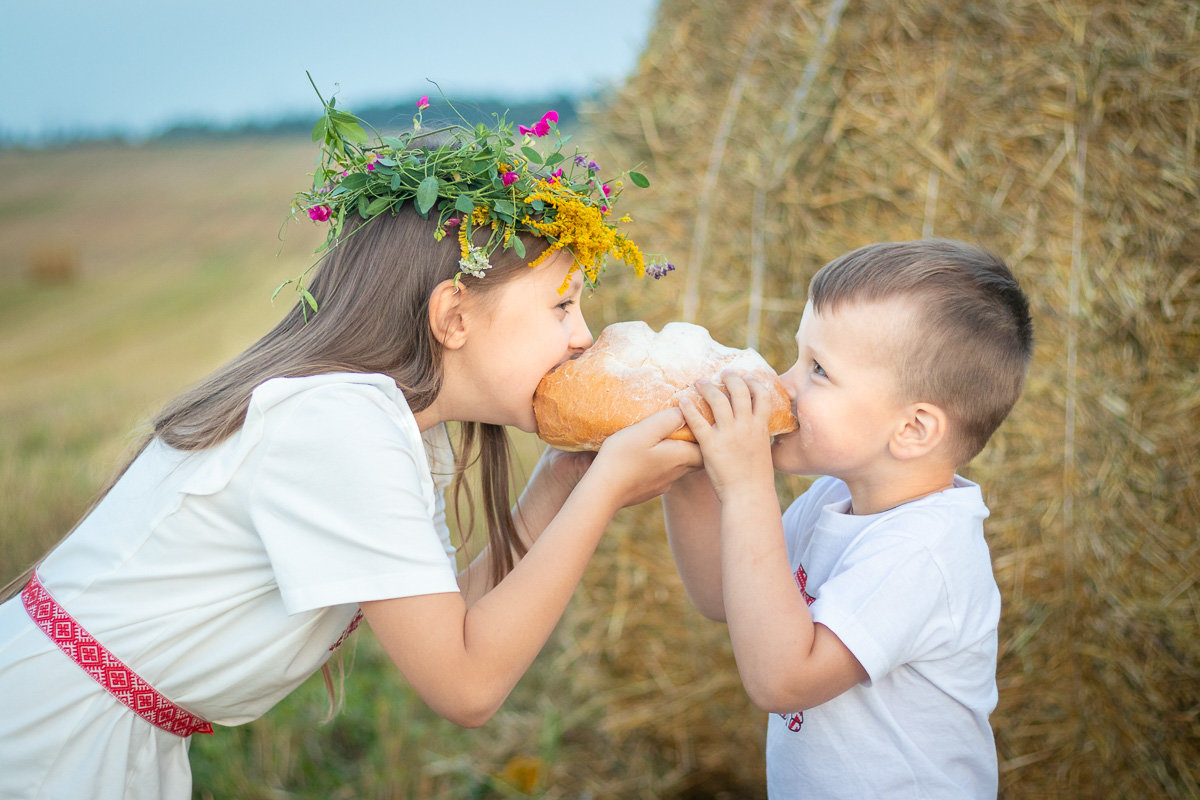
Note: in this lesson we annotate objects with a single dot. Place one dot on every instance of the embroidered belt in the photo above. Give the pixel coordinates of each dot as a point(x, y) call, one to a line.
point(108, 670)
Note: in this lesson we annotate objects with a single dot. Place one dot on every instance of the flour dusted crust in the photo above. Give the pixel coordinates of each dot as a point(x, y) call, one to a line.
point(631, 372)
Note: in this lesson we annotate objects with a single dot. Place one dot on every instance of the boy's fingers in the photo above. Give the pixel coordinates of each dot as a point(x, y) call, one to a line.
point(695, 420)
point(717, 400)
point(740, 397)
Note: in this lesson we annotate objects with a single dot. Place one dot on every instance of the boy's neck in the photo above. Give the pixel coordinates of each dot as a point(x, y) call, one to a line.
point(876, 496)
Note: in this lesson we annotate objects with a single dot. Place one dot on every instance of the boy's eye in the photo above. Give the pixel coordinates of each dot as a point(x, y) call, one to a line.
point(817, 369)
point(565, 305)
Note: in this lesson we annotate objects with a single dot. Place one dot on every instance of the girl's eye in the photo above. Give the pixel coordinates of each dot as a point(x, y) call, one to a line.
point(817, 369)
point(565, 305)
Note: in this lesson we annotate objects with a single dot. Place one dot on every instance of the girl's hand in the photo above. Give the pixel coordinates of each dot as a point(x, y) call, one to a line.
point(639, 463)
point(737, 446)
point(561, 468)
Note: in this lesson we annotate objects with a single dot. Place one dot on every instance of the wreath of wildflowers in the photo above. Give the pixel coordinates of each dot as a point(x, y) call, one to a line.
point(472, 179)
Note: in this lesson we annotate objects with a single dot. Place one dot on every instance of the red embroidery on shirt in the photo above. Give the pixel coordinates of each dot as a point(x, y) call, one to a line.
point(802, 582)
point(795, 720)
point(346, 633)
point(105, 668)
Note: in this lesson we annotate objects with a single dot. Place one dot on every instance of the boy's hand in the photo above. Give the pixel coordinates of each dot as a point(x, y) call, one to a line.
point(737, 446)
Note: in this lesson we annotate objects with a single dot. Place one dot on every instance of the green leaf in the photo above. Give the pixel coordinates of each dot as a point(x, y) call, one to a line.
point(464, 204)
point(319, 130)
point(308, 298)
point(533, 155)
point(427, 193)
point(505, 208)
point(353, 181)
point(518, 246)
point(538, 205)
point(352, 131)
point(378, 205)
point(639, 179)
point(397, 179)
point(554, 158)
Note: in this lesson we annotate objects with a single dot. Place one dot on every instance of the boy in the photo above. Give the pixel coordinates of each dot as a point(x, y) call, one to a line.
point(866, 615)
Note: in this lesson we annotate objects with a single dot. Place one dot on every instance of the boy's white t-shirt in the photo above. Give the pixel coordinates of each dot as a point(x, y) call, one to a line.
point(910, 592)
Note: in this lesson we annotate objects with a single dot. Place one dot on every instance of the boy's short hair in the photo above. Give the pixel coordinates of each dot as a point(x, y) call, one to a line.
point(974, 336)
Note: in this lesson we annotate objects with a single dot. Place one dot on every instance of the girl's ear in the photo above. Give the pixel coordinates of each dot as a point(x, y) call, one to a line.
point(446, 319)
point(920, 433)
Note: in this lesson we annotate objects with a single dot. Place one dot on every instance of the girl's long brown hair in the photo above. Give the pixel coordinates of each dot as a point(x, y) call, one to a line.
point(373, 292)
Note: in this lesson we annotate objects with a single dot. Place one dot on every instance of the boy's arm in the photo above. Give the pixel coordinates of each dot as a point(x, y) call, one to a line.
point(693, 519)
point(786, 661)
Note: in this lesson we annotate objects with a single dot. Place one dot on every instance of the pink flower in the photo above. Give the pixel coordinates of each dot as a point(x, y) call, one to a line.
point(371, 168)
point(604, 188)
point(541, 127)
point(319, 213)
point(508, 178)
point(452, 222)
point(554, 176)
point(423, 103)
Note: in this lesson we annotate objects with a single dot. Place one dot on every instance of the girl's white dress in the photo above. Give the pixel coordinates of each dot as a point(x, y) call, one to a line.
point(223, 578)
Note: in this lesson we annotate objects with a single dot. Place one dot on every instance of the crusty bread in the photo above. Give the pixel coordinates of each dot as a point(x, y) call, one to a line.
point(632, 372)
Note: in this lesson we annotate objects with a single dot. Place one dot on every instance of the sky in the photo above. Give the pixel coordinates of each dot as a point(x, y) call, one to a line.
point(136, 68)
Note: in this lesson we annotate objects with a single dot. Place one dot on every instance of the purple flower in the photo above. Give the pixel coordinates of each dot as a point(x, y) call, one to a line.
point(593, 166)
point(580, 160)
point(319, 213)
point(657, 270)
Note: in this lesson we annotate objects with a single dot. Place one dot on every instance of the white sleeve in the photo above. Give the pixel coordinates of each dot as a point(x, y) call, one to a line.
point(344, 503)
point(887, 602)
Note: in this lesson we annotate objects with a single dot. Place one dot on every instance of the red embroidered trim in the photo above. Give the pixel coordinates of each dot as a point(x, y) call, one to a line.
point(346, 633)
point(108, 670)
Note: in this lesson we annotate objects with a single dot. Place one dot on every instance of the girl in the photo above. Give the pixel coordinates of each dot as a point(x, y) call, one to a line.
point(300, 487)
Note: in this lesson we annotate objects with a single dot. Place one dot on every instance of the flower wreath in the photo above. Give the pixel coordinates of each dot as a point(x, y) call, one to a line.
point(474, 178)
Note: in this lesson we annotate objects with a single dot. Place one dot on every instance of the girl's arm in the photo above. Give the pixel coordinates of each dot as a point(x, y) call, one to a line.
point(786, 660)
point(692, 514)
point(464, 660)
point(555, 476)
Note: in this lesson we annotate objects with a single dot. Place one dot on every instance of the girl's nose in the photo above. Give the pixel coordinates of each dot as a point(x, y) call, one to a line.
point(581, 337)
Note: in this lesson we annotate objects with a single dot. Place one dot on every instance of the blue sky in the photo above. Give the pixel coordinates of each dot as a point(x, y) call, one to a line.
point(138, 67)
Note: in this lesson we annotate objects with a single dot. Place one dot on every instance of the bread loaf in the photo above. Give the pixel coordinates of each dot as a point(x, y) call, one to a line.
point(631, 372)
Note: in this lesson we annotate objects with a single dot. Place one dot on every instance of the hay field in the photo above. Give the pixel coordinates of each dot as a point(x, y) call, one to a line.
point(126, 273)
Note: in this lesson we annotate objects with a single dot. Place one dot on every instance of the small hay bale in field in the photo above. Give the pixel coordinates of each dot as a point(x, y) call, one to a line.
point(53, 264)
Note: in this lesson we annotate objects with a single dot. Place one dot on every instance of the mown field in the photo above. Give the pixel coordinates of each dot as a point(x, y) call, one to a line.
point(171, 255)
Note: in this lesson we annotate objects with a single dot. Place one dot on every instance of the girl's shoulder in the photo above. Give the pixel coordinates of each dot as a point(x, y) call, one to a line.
point(368, 386)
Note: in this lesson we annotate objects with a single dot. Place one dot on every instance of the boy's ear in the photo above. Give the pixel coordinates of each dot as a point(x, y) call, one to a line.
point(924, 428)
point(446, 317)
